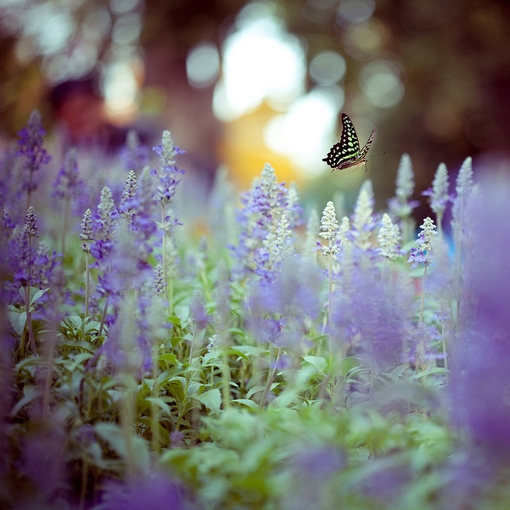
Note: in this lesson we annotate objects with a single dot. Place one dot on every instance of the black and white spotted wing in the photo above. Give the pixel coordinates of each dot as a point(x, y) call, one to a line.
point(347, 153)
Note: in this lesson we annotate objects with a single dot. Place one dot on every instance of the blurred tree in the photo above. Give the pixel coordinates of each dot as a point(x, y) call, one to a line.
point(171, 29)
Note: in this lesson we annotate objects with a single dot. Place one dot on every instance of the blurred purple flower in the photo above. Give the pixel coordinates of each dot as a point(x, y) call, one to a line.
point(280, 310)
point(135, 155)
point(20, 255)
point(480, 381)
point(42, 464)
point(312, 469)
point(30, 147)
point(371, 317)
point(68, 184)
point(176, 438)
point(167, 172)
point(263, 205)
point(104, 225)
point(401, 206)
point(44, 265)
point(198, 312)
point(154, 491)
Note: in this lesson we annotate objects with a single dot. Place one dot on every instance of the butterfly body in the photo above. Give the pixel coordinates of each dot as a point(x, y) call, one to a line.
point(347, 152)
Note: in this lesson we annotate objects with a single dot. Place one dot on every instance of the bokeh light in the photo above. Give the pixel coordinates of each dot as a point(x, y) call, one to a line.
point(203, 64)
point(381, 84)
point(261, 61)
point(120, 89)
point(127, 28)
point(327, 68)
point(355, 11)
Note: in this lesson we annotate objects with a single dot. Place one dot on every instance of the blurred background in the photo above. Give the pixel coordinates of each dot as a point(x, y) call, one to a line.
point(240, 83)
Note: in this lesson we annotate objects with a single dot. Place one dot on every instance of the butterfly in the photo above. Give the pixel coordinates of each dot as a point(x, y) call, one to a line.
point(347, 153)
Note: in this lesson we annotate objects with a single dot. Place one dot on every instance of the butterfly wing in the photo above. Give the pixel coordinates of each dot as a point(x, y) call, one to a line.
point(348, 147)
point(366, 148)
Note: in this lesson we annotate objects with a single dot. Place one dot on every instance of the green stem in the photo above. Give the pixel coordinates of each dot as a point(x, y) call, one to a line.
point(47, 383)
point(29, 188)
point(83, 490)
point(65, 225)
point(421, 349)
point(87, 283)
point(225, 379)
point(30, 328)
point(439, 221)
point(127, 420)
point(422, 300)
point(270, 377)
point(155, 438)
point(103, 317)
point(330, 304)
point(457, 267)
point(443, 343)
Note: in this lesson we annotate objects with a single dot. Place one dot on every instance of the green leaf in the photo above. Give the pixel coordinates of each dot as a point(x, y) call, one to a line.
point(183, 312)
point(169, 357)
point(161, 404)
point(211, 399)
point(17, 318)
point(31, 393)
point(317, 361)
point(255, 389)
point(247, 402)
point(113, 435)
point(35, 293)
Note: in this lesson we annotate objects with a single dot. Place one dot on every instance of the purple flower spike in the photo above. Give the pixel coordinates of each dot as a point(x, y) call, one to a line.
point(30, 147)
point(135, 155)
point(68, 183)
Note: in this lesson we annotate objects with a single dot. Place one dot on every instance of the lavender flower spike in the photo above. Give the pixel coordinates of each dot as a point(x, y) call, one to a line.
point(329, 230)
point(31, 222)
point(363, 221)
point(135, 155)
point(401, 206)
point(439, 197)
point(389, 238)
point(465, 178)
point(31, 148)
point(167, 172)
point(67, 183)
point(426, 241)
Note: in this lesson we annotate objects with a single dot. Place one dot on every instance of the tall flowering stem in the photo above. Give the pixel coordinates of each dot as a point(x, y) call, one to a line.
point(439, 197)
point(401, 206)
point(30, 147)
point(102, 247)
point(389, 240)
point(423, 256)
point(86, 236)
point(363, 220)
point(329, 231)
point(463, 189)
point(66, 187)
point(29, 231)
point(169, 175)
